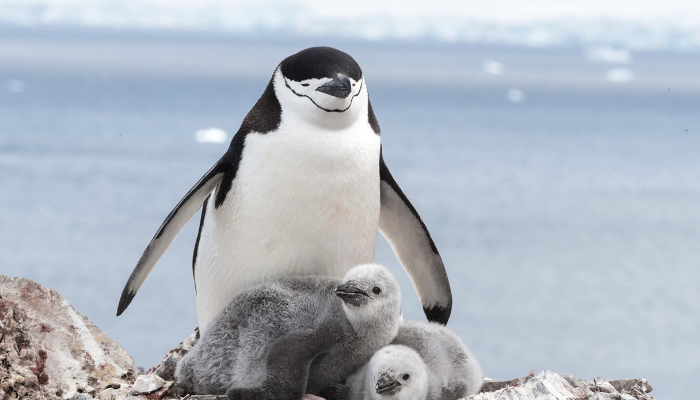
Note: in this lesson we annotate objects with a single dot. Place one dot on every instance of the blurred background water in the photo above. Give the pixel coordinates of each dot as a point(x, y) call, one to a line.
point(561, 182)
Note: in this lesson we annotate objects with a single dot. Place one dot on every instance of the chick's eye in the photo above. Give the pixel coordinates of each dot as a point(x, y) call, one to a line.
point(405, 377)
point(376, 290)
point(305, 84)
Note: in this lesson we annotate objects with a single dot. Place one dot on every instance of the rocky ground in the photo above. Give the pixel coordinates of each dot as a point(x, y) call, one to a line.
point(48, 350)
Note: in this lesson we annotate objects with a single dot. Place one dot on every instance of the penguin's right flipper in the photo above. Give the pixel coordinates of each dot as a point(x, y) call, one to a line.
point(178, 217)
point(408, 236)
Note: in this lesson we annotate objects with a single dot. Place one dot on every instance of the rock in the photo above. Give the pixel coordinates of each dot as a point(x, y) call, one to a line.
point(166, 369)
point(155, 384)
point(49, 350)
point(81, 396)
point(146, 384)
point(113, 383)
point(116, 394)
point(491, 385)
point(631, 385)
point(549, 385)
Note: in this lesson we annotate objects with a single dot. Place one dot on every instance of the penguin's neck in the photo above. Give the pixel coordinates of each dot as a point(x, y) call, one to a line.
point(375, 330)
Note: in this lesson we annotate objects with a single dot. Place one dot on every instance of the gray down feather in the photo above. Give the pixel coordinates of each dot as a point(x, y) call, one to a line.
point(454, 373)
point(292, 336)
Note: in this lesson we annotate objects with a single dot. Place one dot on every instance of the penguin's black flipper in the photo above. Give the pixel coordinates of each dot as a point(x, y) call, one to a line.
point(403, 228)
point(264, 117)
point(178, 217)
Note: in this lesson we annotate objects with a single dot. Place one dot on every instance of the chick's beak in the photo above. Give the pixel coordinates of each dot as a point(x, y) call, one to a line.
point(351, 294)
point(387, 385)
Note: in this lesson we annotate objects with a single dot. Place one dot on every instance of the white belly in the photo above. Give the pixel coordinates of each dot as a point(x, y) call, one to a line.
point(302, 203)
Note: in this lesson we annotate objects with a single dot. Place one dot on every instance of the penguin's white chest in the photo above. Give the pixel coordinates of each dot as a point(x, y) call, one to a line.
point(304, 201)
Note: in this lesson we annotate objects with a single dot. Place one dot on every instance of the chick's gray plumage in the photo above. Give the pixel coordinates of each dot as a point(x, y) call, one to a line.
point(291, 336)
point(453, 371)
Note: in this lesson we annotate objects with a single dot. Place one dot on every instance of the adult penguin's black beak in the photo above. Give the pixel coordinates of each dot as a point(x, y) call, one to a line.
point(339, 86)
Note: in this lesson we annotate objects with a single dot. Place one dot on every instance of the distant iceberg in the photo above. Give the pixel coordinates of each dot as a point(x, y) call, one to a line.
point(645, 26)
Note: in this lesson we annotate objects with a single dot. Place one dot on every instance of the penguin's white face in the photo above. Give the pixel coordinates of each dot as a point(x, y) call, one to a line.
point(328, 94)
point(397, 372)
point(323, 87)
point(329, 103)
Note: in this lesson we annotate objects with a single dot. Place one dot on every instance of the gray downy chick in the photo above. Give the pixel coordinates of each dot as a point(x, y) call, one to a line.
point(453, 371)
point(296, 335)
point(394, 372)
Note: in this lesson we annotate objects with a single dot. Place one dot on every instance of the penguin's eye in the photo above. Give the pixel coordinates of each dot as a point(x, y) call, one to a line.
point(305, 84)
point(405, 377)
point(353, 84)
point(376, 290)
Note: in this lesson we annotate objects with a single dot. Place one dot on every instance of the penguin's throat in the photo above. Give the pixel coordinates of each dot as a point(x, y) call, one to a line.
point(373, 325)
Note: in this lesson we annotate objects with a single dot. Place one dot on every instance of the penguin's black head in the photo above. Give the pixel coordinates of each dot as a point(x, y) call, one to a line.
point(323, 77)
point(318, 63)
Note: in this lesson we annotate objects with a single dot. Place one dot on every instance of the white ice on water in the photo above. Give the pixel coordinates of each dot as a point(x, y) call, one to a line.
point(515, 96)
point(619, 75)
point(211, 135)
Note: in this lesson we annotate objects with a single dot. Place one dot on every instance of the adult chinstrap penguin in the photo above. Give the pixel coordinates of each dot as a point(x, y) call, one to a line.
point(302, 190)
point(453, 372)
point(295, 335)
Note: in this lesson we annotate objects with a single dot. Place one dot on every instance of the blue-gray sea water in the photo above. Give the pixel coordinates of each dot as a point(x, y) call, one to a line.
point(562, 193)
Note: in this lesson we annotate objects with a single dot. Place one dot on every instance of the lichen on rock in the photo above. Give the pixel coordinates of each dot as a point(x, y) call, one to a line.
point(48, 350)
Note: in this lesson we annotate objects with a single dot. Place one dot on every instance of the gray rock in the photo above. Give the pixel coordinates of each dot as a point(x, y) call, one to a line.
point(49, 350)
point(81, 396)
point(166, 369)
point(631, 385)
point(551, 386)
point(146, 384)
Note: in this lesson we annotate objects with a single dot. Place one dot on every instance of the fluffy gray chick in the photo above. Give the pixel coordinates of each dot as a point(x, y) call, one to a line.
point(394, 372)
point(453, 371)
point(291, 336)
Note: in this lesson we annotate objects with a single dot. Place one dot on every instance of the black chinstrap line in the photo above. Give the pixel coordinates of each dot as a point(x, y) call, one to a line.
point(325, 109)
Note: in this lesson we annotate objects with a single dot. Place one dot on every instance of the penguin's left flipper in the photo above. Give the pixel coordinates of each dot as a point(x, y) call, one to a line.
point(405, 231)
point(178, 217)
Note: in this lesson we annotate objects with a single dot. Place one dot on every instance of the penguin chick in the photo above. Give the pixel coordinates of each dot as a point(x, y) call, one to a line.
point(283, 338)
point(394, 372)
point(453, 371)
